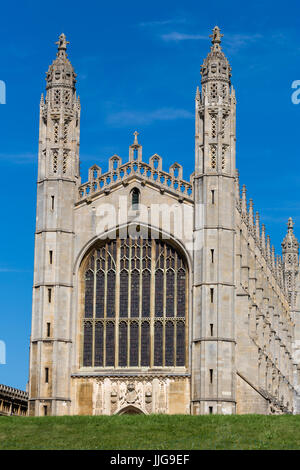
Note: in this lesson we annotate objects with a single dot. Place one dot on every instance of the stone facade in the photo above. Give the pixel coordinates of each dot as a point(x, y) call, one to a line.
point(208, 320)
point(13, 402)
point(132, 394)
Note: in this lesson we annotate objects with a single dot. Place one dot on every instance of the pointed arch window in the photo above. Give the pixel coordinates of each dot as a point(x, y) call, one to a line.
point(135, 305)
point(135, 199)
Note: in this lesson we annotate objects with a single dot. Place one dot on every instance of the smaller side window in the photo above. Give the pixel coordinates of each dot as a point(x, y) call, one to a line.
point(135, 199)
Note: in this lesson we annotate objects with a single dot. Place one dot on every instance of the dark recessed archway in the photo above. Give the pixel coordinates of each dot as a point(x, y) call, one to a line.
point(130, 410)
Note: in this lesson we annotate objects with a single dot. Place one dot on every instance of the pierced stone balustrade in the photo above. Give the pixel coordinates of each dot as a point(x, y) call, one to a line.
point(151, 172)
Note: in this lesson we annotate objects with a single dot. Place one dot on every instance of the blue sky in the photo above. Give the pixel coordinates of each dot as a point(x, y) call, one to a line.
point(138, 66)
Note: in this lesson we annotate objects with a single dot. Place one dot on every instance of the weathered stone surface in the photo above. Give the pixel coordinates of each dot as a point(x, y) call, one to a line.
point(13, 401)
point(242, 308)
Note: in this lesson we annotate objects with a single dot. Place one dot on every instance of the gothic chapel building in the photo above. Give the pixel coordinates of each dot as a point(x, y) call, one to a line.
point(153, 294)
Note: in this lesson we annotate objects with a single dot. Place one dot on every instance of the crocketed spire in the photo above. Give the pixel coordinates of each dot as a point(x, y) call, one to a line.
point(290, 249)
point(290, 243)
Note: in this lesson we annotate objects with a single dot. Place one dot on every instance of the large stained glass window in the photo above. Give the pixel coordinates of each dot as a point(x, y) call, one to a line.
point(135, 305)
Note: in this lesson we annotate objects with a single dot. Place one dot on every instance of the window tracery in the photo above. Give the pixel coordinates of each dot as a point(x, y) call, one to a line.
point(135, 305)
point(213, 156)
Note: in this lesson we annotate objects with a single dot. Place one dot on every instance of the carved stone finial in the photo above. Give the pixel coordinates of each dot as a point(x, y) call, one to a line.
point(135, 138)
point(216, 36)
point(251, 213)
point(135, 150)
point(290, 225)
point(62, 42)
point(244, 200)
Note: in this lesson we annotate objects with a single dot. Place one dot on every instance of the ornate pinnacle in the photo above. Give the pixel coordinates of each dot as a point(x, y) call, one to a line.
point(268, 246)
point(62, 43)
point(216, 37)
point(263, 238)
point(290, 242)
point(273, 258)
point(244, 200)
point(251, 214)
point(257, 226)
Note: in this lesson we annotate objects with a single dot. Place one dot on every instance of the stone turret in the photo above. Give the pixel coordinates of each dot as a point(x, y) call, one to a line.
point(290, 252)
point(290, 256)
point(58, 180)
point(214, 232)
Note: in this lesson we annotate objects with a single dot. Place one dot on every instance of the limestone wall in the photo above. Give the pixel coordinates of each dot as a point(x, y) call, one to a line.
point(117, 395)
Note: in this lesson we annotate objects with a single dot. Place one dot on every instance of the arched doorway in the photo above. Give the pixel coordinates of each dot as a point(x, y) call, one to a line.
point(130, 410)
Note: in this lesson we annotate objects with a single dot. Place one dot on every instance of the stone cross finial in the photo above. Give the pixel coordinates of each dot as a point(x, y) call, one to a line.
point(135, 138)
point(62, 43)
point(216, 36)
point(290, 225)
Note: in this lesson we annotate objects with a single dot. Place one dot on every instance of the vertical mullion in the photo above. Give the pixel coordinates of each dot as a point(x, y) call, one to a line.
point(104, 343)
point(152, 300)
point(186, 317)
point(165, 280)
point(105, 284)
point(164, 304)
point(139, 342)
point(83, 317)
point(82, 342)
point(175, 342)
point(117, 301)
point(140, 302)
point(94, 309)
point(175, 307)
point(104, 306)
point(129, 302)
point(175, 283)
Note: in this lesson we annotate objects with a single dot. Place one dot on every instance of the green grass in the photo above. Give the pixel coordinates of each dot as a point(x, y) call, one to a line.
point(151, 432)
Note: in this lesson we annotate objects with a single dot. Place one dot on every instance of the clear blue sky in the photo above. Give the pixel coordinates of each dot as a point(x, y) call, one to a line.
point(138, 67)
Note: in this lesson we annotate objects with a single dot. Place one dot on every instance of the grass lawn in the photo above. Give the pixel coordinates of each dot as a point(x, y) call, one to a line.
point(156, 432)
